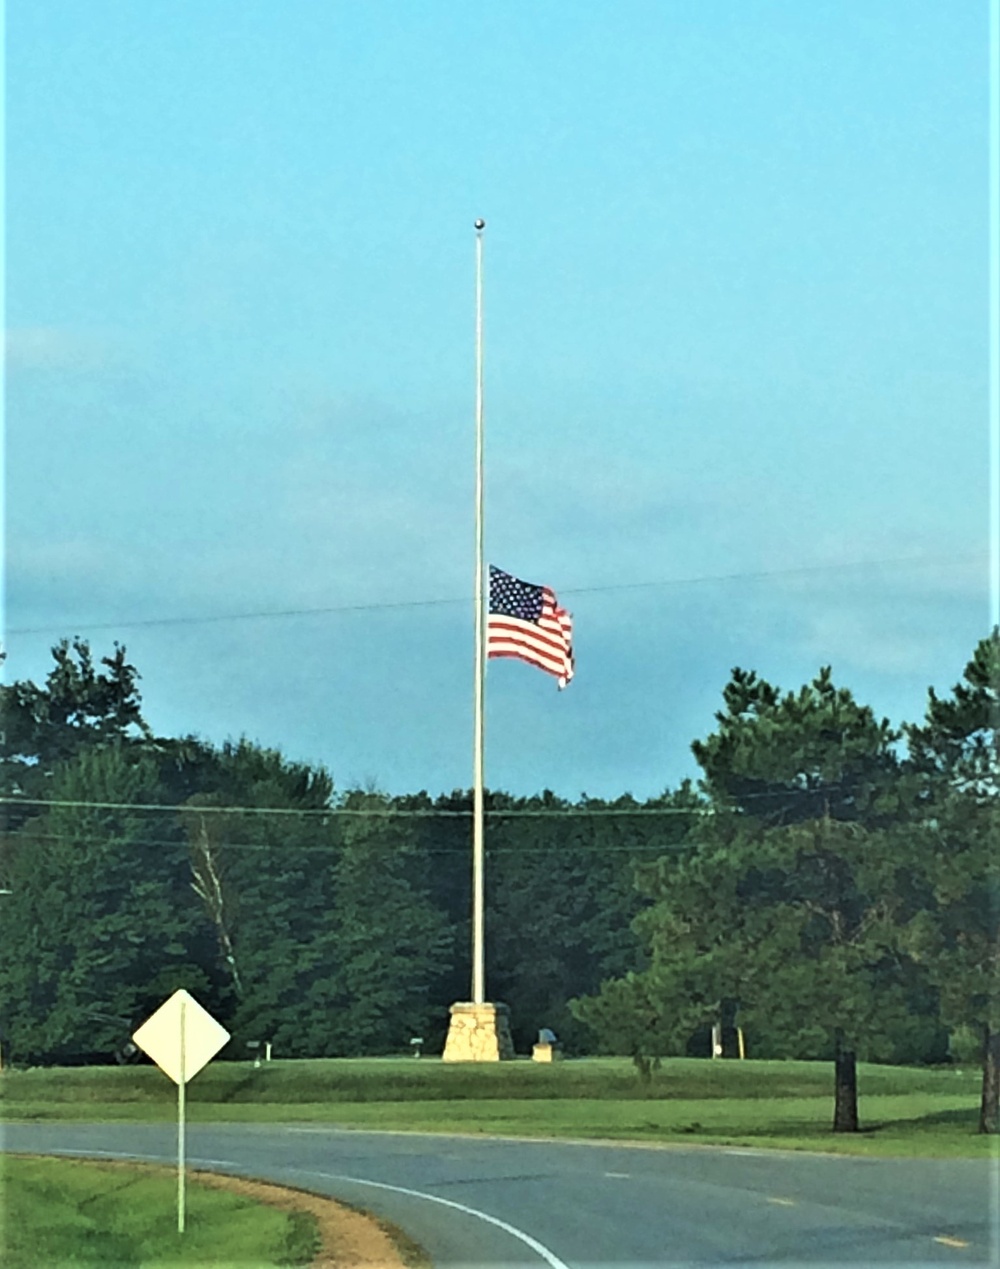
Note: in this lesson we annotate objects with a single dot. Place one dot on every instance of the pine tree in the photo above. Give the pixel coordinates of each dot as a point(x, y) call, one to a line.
point(262, 863)
point(80, 707)
point(786, 903)
point(100, 924)
point(391, 942)
point(954, 769)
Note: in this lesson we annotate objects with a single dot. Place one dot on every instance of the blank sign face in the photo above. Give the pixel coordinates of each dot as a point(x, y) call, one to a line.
point(181, 1037)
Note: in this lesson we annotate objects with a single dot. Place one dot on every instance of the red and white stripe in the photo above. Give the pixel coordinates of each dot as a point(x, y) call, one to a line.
point(547, 643)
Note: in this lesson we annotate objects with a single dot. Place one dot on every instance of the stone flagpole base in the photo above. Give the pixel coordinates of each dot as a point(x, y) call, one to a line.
point(478, 1033)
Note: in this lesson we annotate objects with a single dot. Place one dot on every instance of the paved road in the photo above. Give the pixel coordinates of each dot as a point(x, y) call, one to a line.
point(471, 1201)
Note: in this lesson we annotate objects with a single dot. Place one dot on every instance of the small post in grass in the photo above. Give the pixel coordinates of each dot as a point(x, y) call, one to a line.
point(181, 1037)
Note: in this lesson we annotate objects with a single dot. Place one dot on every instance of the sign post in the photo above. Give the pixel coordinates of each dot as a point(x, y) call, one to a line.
point(181, 1038)
point(182, 1121)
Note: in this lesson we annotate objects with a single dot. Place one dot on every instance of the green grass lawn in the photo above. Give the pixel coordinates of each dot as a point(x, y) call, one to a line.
point(904, 1110)
point(900, 1125)
point(60, 1212)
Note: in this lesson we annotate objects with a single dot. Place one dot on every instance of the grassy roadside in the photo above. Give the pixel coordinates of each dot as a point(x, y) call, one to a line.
point(904, 1111)
point(75, 1212)
point(898, 1126)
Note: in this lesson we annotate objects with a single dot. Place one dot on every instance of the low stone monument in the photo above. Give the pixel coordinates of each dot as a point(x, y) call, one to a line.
point(478, 1033)
point(547, 1048)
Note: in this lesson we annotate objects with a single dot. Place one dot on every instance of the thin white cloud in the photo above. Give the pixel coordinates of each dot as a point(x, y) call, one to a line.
point(894, 621)
point(866, 640)
point(58, 557)
point(57, 348)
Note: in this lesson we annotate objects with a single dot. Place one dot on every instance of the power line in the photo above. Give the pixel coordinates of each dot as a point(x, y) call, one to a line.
point(263, 615)
point(282, 854)
point(799, 570)
point(404, 812)
point(386, 813)
point(386, 606)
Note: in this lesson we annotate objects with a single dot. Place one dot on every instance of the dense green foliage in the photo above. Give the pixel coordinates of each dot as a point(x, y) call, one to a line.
point(79, 707)
point(829, 890)
point(325, 923)
point(99, 926)
point(841, 895)
point(954, 932)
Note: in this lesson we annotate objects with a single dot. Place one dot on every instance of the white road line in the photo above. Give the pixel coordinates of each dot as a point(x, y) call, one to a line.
point(540, 1249)
point(549, 1257)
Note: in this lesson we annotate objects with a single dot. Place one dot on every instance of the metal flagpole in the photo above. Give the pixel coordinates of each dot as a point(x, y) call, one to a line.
point(478, 859)
point(994, 319)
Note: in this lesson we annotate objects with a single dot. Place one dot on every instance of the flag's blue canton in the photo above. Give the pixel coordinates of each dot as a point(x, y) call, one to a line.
point(510, 597)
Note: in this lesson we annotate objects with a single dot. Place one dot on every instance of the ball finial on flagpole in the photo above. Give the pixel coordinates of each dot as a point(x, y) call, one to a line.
point(480, 225)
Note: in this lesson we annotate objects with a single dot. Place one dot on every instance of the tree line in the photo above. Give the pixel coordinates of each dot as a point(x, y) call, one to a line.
point(830, 888)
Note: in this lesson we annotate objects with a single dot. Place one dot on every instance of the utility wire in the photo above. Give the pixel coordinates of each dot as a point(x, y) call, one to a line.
point(335, 609)
point(282, 854)
point(403, 812)
point(374, 812)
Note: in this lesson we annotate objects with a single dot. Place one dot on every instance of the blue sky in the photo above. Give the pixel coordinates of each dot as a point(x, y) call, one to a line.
point(736, 363)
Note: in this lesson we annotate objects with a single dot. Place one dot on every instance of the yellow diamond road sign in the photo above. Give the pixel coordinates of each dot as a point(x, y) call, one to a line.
point(181, 1037)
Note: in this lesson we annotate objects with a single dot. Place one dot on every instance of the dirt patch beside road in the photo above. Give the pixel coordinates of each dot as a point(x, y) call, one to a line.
point(350, 1239)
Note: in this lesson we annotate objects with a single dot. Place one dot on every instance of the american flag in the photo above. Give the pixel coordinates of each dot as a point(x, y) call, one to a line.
point(526, 622)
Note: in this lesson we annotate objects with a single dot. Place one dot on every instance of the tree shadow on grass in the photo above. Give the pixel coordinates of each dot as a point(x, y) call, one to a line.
point(240, 1089)
point(938, 1121)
